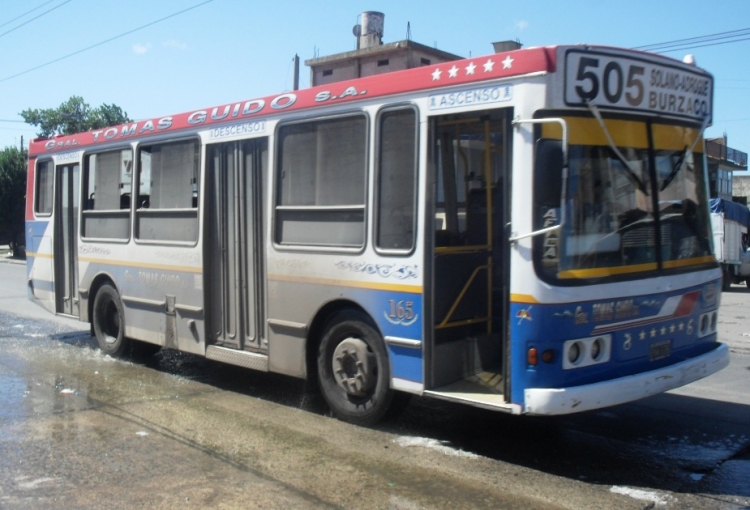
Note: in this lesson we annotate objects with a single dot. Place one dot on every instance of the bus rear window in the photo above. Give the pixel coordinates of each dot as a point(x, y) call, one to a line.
point(44, 188)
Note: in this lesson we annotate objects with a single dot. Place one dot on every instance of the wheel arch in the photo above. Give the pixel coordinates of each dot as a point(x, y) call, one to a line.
point(96, 284)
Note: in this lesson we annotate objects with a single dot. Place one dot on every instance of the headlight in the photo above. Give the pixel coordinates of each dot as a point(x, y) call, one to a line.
point(585, 352)
point(707, 323)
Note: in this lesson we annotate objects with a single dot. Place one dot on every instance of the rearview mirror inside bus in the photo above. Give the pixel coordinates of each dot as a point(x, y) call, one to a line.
point(548, 170)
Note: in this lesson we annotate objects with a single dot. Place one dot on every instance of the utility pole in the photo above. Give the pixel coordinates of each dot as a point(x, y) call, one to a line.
point(296, 72)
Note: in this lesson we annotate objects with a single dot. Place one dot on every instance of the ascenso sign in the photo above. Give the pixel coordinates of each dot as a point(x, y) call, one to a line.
point(613, 81)
point(484, 95)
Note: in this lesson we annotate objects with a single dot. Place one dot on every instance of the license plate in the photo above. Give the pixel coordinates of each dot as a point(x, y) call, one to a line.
point(660, 350)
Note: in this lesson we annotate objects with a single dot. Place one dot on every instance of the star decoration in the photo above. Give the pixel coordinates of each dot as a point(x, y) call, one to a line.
point(672, 328)
point(488, 65)
point(453, 72)
point(663, 330)
point(681, 326)
point(436, 74)
point(642, 336)
point(653, 333)
point(470, 68)
point(508, 62)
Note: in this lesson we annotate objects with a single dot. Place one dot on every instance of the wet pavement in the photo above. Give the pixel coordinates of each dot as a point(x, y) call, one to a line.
point(82, 430)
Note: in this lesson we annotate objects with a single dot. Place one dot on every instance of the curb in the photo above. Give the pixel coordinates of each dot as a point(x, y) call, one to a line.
point(8, 260)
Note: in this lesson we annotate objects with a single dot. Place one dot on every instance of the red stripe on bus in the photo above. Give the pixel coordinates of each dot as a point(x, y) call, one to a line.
point(427, 78)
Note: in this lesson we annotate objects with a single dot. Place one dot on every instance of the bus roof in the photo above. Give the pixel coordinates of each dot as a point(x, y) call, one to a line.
point(457, 72)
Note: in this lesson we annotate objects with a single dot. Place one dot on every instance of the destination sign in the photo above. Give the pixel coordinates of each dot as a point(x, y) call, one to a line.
point(613, 81)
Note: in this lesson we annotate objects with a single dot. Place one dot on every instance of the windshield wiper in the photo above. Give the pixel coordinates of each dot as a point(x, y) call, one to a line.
point(620, 156)
point(679, 163)
point(675, 169)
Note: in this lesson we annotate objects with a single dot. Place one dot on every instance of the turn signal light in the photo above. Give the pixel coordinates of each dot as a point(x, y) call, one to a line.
point(532, 356)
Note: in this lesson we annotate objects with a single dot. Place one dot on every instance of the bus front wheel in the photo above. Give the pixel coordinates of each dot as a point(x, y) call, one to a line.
point(109, 321)
point(353, 370)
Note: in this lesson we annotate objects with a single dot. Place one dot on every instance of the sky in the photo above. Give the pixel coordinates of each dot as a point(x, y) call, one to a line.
point(157, 58)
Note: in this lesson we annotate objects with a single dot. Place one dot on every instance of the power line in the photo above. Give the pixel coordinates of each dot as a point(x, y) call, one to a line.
point(10, 120)
point(17, 129)
point(32, 19)
point(693, 39)
point(705, 45)
point(699, 42)
point(103, 42)
point(27, 12)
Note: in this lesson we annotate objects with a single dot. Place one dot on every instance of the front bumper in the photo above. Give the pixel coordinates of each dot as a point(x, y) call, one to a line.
point(552, 401)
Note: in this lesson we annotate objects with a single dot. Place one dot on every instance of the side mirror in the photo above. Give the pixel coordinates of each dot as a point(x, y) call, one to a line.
point(548, 173)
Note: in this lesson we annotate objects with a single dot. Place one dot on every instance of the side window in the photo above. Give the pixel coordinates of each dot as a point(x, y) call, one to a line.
point(397, 178)
point(167, 200)
point(321, 176)
point(107, 183)
point(44, 188)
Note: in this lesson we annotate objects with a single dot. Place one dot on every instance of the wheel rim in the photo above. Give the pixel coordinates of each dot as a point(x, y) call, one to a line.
point(354, 367)
point(110, 323)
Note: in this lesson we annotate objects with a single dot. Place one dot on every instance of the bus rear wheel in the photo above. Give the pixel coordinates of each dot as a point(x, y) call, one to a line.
point(109, 321)
point(353, 369)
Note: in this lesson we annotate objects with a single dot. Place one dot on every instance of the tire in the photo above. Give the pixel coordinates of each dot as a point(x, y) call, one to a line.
point(109, 322)
point(353, 369)
point(726, 279)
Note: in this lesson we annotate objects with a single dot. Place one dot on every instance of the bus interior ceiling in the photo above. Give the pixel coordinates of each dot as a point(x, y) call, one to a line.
point(470, 161)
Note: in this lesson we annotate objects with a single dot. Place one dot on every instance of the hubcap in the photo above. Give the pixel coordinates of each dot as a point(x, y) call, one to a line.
point(354, 367)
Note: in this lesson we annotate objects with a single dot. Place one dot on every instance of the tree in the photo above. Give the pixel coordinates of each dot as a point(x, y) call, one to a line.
point(74, 116)
point(13, 196)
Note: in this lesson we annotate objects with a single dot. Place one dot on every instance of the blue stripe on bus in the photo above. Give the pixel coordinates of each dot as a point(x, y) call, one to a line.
point(397, 314)
point(34, 232)
point(406, 363)
point(634, 324)
point(47, 285)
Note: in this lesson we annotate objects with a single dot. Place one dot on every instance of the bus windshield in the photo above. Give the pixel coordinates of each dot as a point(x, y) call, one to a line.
point(638, 209)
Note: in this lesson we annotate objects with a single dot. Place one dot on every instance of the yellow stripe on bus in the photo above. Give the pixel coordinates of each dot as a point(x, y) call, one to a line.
point(606, 271)
point(671, 264)
point(625, 133)
point(524, 298)
point(140, 265)
point(637, 268)
point(39, 255)
point(394, 287)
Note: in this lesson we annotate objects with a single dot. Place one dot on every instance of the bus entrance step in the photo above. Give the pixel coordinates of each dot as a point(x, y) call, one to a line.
point(245, 359)
point(484, 389)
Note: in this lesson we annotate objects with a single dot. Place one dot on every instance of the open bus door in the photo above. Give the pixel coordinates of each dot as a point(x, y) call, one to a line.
point(470, 258)
point(66, 239)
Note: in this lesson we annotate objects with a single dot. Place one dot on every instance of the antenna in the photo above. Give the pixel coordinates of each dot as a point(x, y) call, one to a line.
point(357, 32)
point(408, 31)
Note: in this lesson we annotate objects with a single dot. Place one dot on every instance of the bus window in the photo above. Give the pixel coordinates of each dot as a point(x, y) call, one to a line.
point(397, 179)
point(44, 187)
point(167, 202)
point(321, 183)
point(107, 197)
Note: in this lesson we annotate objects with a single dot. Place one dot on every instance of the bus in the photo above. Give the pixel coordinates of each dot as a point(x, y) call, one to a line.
point(526, 232)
